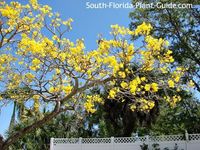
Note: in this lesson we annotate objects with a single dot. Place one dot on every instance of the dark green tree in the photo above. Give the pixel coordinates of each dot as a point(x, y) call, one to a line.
point(184, 116)
point(180, 27)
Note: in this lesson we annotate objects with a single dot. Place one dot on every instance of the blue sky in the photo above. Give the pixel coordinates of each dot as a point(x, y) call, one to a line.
point(88, 23)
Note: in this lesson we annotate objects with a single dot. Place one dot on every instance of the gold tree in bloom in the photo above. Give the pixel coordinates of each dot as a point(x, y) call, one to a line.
point(36, 54)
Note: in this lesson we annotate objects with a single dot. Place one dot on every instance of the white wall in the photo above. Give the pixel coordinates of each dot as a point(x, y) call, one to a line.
point(192, 142)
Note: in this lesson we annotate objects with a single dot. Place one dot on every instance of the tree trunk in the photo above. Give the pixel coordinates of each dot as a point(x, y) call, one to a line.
point(4, 144)
point(12, 121)
point(1, 141)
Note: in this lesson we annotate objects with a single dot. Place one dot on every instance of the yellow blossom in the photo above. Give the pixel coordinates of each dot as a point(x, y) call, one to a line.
point(89, 105)
point(67, 89)
point(29, 76)
point(147, 87)
point(112, 93)
point(191, 83)
point(53, 89)
point(133, 86)
point(143, 78)
point(133, 107)
point(122, 74)
point(151, 104)
point(144, 28)
point(171, 83)
point(124, 85)
point(154, 87)
point(9, 12)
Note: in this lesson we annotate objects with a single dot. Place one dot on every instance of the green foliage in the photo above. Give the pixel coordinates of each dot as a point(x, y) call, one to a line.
point(144, 146)
point(66, 125)
point(156, 146)
point(184, 116)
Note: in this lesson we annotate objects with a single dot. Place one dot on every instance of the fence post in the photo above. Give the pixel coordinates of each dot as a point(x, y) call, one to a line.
point(136, 136)
point(112, 143)
point(51, 144)
point(187, 140)
point(147, 141)
point(80, 142)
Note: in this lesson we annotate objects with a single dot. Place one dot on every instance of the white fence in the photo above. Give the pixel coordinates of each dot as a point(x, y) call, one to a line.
point(178, 142)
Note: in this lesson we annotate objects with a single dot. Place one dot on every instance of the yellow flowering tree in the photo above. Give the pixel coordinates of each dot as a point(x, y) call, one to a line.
point(36, 54)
